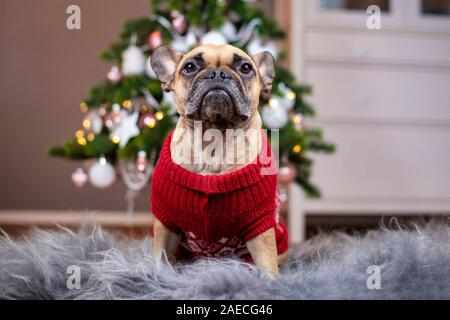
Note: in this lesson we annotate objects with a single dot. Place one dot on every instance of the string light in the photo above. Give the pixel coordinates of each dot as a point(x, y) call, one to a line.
point(86, 123)
point(115, 139)
point(297, 119)
point(159, 115)
point(91, 137)
point(291, 95)
point(297, 148)
point(84, 107)
point(150, 122)
point(127, 104)
point(273, 103)
point(79, 134)
point(81, 141)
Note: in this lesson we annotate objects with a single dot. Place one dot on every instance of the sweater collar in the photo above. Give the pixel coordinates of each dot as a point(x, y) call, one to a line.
point(213, 184)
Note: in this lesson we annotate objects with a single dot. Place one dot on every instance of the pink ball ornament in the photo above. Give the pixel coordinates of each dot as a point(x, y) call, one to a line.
point(154, 40)
point(79, 178)
point(114, 75)
point(179, 22)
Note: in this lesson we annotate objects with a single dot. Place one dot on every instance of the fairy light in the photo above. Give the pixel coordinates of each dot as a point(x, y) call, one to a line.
point(91, 137)
point(297, 148)
point(84, 107)
point(297, 119)
point(115, 139)
point(127, 104)
point(273, 103)
point(79, 134)
point(86, 123)
point(159, 115)
point(81, 141)
point(291, 95)
point(150, 122)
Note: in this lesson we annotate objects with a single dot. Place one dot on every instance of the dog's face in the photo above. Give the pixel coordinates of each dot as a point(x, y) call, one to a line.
point(219, 85)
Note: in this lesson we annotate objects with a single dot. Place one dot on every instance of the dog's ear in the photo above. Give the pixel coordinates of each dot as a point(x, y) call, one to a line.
point(164, 62)
point(265, 63)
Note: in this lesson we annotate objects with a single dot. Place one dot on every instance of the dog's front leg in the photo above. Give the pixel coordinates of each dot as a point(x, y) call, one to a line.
point(164, 241)
point(263, 249)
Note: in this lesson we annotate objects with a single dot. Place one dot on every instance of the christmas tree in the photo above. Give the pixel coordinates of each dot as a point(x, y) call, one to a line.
point(127, 118)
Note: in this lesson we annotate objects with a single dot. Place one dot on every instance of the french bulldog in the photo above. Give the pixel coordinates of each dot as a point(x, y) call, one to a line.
point(220, 87)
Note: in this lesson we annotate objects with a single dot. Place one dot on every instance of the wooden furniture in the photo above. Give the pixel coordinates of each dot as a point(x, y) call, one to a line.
point(383, 97)
point(17, 223)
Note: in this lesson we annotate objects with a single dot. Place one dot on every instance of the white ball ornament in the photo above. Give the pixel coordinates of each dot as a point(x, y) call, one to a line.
point(102, 174)
point(274, 117)
point(213, 37)
point(229, 31)
point(288, 99)
point(184, 43)
point(133, 61)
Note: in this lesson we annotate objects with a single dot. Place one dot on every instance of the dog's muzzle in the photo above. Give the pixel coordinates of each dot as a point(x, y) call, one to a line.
point(217, 97)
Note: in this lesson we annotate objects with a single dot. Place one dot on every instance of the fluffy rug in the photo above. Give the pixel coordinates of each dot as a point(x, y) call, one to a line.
point(414, 264)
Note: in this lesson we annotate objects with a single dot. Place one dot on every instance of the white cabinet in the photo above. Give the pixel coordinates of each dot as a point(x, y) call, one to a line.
point(384, 97)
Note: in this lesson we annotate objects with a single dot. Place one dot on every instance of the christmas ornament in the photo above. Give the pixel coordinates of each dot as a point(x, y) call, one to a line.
point(229, 31)
point(102, 110)
point(179, 22)
point(125, 130)
point(102, 174)
point(274, 117)
point(114, 75)
point(288, 96)
point(256, 46)
point(183, 44)
point(133, 61)
point(154, 40)
point(135, 175)
point(213, 37)
point(79, 178)
point(93, 122)
point(287, 173)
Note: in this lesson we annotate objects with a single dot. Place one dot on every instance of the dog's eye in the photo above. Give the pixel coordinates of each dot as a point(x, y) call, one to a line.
point(189, 67)
point(246, 68)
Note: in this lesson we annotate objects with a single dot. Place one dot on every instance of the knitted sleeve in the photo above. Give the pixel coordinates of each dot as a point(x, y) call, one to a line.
point(263, 216)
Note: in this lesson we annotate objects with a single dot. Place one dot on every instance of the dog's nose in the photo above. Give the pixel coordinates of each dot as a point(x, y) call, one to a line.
point(219, 74)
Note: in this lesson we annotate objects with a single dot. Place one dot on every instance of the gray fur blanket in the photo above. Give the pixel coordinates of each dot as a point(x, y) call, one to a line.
point(411, 263)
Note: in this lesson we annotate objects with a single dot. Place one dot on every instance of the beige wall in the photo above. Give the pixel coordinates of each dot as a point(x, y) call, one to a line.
point(45, 70)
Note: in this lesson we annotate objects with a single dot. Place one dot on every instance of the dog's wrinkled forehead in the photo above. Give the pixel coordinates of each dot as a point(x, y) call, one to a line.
point(216, 56)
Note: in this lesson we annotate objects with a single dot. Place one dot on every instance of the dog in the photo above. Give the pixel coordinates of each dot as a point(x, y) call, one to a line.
point(218, 86)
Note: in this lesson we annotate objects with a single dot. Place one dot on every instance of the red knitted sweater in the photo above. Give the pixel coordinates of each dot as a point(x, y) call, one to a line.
point(217, 214)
